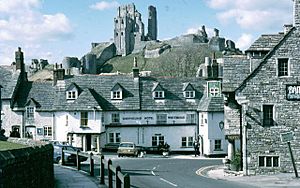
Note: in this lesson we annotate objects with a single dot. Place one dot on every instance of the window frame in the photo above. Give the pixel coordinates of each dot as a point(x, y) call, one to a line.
point(158, 94)
point(84, 119)
point(268, 161)
point(268, 117)
point(157, 139)
point(191, 118)
point(71, 95)
point(115, 118)
point(116, 94)
point(187, 141)
point(283, 67)
point(218, 145)
point(30, 112)
point(47, 131)
point(189, 94)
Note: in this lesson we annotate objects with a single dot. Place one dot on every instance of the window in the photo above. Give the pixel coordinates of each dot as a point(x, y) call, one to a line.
point(67, 120)
point(30, 112)
point(202, 119)
point(268, 115)
point(268, 161)
point(189, 94)
point(161, 118)
point(116, 95)
point(187, 141)
point(83, 119)
point(114, 137)
point(115, 118)
point(158, 95)
point(190, 118)
point(71, 94)
point(218, 145)
point(214, 91)
point(47, 131)
point(283, 67)
point(157, 140)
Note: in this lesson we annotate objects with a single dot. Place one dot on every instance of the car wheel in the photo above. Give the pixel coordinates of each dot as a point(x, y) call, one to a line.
point(119, 155)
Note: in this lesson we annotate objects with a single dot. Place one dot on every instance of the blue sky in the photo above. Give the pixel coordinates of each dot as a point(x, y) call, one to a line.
point(53, 29)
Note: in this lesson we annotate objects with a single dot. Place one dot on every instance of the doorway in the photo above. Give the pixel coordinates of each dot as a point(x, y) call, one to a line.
point(88, 142)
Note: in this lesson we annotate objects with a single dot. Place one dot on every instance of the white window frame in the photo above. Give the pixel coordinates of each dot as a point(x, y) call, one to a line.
point(265, 161)
point(30, 112)
point(187, 141)
point(114, 137)
point(84, 119)
point(189, 94)
point(71, 95)
point(288, 67)
point(47, 131)
point(158, 94)
point(116, 94)
point(115, 118)
point(157, 139)
point(218, 144)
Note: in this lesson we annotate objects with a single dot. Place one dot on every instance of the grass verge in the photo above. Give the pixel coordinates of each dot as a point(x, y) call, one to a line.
point(4, 145)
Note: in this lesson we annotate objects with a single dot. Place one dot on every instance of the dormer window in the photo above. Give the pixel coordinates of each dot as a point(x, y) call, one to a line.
point(214, 89)
point(117, 92)
point(72, 95)
point(158, 91)
point(189, 94)
point(188, 91)
point(158, 95)
point(73, 92)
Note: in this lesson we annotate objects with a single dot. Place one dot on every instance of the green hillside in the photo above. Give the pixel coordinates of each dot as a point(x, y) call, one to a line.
point(182, 61)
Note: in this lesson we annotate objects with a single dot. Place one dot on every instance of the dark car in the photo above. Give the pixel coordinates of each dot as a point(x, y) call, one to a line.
point(69, 158)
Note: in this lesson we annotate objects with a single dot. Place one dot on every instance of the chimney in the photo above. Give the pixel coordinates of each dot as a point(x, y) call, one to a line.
point(286, 28)
point(215, 68)
point(135, 69)
point(207, 71)
point(296, 13)
point(19, 56)
point(58, 73)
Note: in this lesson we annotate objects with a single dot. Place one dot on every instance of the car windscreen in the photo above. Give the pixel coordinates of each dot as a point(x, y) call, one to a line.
point(126, 145)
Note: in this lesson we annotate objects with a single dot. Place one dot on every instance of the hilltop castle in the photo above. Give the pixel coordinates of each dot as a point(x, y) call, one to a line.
point(129, 28)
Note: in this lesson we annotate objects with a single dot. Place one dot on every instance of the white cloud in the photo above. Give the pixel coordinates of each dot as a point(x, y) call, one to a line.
point(194, 30)
point(103, 5)
point(253, 14)
point(22, 24)
point(244, 41)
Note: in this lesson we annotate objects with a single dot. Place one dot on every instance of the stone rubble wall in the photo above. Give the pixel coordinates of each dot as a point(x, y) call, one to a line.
point(27, 167)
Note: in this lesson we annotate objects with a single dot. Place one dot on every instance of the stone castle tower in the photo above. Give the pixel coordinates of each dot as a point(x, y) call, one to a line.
point(129, 28)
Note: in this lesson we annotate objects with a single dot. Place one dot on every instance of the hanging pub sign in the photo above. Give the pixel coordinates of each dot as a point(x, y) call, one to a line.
point(293, 92)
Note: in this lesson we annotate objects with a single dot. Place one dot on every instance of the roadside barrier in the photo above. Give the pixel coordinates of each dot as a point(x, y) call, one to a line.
point(114, 172)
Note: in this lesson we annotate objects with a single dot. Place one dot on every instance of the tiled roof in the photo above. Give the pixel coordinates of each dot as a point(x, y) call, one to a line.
point(8, 80)
point(235, 70)
point(211, 104)
point(266, 42)
point(174, 99)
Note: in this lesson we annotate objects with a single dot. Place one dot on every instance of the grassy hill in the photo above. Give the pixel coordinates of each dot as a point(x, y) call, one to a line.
point(179, 61)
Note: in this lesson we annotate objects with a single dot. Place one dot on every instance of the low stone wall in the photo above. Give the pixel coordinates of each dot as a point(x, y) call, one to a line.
point(27, 167)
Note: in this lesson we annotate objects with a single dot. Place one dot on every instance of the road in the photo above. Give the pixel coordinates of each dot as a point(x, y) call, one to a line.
point(169, 173)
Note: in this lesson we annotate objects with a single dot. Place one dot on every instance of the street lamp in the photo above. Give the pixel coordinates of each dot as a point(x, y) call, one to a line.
point(221, 125)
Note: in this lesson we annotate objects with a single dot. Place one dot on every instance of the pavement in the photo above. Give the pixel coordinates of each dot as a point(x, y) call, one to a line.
point(69, 177)
point(286, 180)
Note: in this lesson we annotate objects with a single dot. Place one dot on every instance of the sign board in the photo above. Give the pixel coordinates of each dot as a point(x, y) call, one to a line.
point(293, 92)
point(286, 137)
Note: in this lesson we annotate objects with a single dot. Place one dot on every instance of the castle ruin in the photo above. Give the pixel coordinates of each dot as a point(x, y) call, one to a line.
point(129, 28)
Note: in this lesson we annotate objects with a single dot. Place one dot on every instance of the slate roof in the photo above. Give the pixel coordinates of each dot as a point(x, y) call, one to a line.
point(174, 99)
point(41, 93)
point(265, 42)
point(235, 70)
point(211, 104)
point(96, 94)
point(8, 80)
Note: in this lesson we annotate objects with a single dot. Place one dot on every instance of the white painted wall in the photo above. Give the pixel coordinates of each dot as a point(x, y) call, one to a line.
point(9, 118)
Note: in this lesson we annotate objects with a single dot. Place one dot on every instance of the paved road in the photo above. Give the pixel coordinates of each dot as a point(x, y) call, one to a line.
point(169, 173)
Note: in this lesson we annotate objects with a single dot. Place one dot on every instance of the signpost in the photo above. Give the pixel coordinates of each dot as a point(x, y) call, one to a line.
point(287, 137)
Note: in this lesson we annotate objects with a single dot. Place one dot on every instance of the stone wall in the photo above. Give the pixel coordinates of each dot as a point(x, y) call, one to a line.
point(27, 167)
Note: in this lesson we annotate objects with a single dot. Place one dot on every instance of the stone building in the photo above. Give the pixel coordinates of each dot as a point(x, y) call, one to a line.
point(262, 100)
point(129, 28)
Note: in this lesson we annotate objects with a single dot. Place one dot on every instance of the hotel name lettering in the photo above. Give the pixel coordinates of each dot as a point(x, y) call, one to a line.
point(293, 92)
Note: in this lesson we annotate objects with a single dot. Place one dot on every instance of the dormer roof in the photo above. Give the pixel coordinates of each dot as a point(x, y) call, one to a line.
point(117, 87)
point(157, 87)
point(188, 87)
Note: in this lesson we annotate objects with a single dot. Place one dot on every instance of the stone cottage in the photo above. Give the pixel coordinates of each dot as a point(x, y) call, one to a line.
point(262, 92)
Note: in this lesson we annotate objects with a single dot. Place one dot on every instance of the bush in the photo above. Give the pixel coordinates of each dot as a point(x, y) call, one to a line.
point(235, 163)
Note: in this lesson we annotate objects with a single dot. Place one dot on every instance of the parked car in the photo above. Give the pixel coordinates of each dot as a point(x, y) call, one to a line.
point(69, 158)
point(127, 148)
